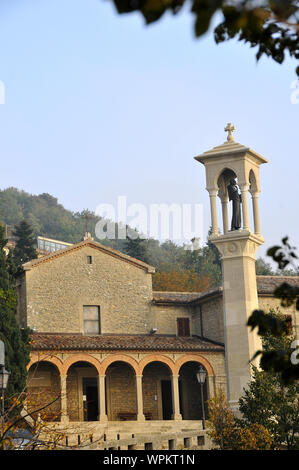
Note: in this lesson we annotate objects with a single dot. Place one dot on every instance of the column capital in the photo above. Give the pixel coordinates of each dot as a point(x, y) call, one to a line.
point(244, 186)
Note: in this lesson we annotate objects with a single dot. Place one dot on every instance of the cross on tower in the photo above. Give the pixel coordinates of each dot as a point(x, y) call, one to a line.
point(230, 129)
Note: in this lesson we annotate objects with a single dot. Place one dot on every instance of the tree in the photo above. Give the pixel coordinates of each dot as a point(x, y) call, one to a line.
point(25, 244)
point(280, 360)
point(15, 339)
point(228, 433)
point(262, 268)
point(26, 426)
point(268, 400)
point(220, 426)
point(135, 246)
point(180, 281)
point(270, 25)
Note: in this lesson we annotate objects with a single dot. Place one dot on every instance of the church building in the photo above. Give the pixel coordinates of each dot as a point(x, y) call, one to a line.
point(117, 357)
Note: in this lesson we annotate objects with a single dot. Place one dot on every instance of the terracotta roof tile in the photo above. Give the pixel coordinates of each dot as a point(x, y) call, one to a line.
point(53, 341)
point(265, 285)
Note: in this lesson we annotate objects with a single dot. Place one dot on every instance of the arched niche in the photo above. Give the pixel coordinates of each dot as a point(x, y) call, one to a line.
point(222, 182)
point(190, 391)
point(120, 380)
point(157, 391)
point(82, 391)
point(44, 395)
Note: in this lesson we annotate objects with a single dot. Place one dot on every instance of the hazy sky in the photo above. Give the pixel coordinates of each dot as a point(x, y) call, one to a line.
point(99, 105)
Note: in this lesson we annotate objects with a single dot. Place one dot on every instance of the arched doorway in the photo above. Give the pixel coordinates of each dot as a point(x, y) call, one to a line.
point(190, 392)
point(157, 391)
point(121, 398)
point(44, 396)
point(82, 392)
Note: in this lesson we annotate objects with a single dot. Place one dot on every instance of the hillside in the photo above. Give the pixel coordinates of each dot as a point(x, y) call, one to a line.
point(49, 218)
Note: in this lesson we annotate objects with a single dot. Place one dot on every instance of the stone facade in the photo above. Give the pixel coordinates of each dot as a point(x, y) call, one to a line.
point(137, 368)
point(58, 288)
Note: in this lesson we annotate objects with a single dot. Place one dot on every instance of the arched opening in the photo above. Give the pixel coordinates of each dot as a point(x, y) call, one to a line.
point(191, 392)
point(121, 392)
point(157, 391)
point(82, 392)
point(226, 210)
point(44, 396)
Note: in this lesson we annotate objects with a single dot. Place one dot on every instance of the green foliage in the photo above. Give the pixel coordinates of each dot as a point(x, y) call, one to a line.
point(50, 219)
point(269, 399)
point(269, 25)
point(15, 339)
point(229, 433)
point(136, 246)
point(278, 359)
point(25, 244)
point(262, 268)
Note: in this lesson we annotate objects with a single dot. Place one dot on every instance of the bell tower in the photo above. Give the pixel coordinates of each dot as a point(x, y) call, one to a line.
point(234, 164)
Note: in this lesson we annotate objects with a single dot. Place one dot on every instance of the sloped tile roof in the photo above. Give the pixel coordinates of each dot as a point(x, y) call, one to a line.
point(265, 285)
point(175, 297)
point(71, 342)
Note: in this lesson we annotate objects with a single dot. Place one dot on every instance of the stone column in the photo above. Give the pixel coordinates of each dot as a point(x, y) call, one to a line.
point(140, 415)
point(256, 216)
point(175, 397)
point(240, 298)
point(211, 386)
point(63, 397)
point(224, 202)
point(102, 399)
point(244, 189)
point(212, 193)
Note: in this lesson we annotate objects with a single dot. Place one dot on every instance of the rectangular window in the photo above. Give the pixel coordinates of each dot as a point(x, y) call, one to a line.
point(183, 326)
point(89, 259)
point(91, 319)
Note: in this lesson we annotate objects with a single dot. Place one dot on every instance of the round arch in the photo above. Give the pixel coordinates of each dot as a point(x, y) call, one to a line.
point(156, 358)
point(78, 358)
point(228, 171)
point(119, 358)
point(193, 358)
point(52, 360)
point(253, 181)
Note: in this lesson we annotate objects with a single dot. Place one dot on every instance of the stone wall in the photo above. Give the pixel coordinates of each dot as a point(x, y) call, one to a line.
point(164, 318)
point(57, 290)
point(208, 319)
point(43, 396)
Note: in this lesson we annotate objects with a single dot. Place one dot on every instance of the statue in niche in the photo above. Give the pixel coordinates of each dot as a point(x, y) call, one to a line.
point(235, 196)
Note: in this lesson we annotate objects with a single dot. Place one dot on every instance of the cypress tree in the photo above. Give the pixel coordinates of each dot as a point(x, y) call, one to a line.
point(24, 250)
point(135, 247)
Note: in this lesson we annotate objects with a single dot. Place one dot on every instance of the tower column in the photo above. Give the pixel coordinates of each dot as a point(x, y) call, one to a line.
point(224, 203)
point(244, 189)
point(212, 193)
point(234, 161)
point(239, 300)
point(256, 217)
